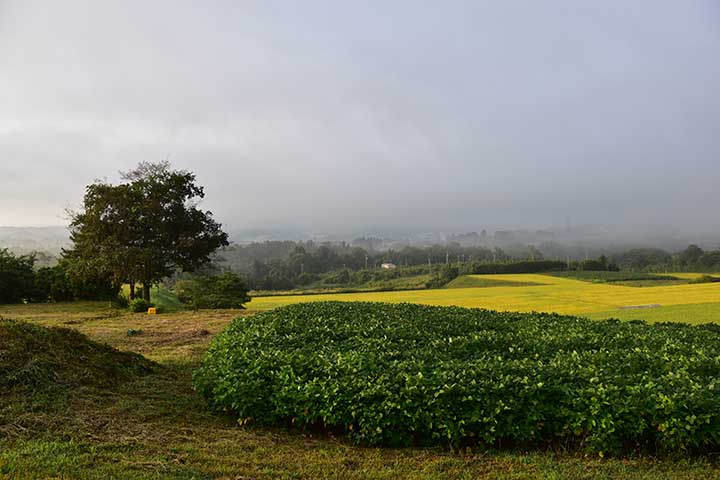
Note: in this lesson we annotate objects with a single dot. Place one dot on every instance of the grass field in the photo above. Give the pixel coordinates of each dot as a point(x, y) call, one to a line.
point(695, 303)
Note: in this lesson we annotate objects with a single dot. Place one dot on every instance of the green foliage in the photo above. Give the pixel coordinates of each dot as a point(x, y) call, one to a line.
point(643, 258)
point(518, 267)
point(139, 305)
point(220, 291)
point(36, 360)
point(705, 279)
point(67, 281)
point(20, 282)
point(476, 281)
point(410, 374)
point(612, 277)
point(691, 255)
point(145, 228)
point(17, 278)
point(447, 274)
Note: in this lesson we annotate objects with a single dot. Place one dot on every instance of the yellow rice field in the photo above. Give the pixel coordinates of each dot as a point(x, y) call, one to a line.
point(561, 295)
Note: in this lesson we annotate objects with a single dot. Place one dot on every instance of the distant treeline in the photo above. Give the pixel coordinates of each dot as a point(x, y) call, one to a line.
point(285, 265)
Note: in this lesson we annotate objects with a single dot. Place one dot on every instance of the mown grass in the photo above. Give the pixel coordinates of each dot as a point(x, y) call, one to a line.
point(156, 427)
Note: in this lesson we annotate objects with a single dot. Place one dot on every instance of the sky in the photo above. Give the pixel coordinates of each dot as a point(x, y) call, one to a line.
point(363, 116)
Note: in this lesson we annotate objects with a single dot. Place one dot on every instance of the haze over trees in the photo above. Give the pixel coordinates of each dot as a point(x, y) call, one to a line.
point(144, 228)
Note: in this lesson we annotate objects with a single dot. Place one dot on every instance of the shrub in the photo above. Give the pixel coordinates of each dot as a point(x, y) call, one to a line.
point(222, 291)
point(410, 374)
point(519, 267)
point(66, 281)
point(447, 274)
point(17, 278)
point(140, 305)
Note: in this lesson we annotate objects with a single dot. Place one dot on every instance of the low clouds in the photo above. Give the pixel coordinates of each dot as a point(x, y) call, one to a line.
point(339, 117)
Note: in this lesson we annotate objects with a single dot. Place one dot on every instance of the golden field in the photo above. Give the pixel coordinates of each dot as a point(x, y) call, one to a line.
point(696, 303)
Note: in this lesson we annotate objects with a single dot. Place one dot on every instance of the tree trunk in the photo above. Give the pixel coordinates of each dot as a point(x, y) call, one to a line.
point(132, 291)
point(146, 291)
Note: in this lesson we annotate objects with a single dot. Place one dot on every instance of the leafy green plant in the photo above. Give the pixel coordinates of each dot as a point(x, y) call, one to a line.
point(218, 291)
point(411, 374)
point(140, 305)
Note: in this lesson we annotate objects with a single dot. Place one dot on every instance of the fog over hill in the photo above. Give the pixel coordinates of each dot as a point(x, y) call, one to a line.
point(51, 239)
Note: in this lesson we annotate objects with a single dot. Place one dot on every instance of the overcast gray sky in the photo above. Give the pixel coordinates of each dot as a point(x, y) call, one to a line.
point(361, 116)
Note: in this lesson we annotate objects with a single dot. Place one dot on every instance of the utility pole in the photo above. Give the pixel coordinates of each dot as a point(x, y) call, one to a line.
point(447, 258)
point(366, 261)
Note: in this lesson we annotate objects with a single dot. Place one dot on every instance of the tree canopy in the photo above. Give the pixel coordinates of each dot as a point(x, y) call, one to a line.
point(146, 227)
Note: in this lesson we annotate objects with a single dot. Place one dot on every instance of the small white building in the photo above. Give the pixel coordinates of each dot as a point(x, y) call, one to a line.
point(388, 265)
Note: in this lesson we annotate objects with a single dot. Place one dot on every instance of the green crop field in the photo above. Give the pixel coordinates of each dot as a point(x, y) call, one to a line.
point(694, 303)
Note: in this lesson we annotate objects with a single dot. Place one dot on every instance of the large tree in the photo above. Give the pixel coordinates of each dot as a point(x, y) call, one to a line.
point(146, 227)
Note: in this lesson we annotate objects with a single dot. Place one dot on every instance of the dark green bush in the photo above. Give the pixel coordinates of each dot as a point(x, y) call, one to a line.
point(445, 275)
point(705, 279)
point(17, 277)
point(66, 281)
point(140, 305)
point(411, 374)
point(518, 267)
point(220, 291)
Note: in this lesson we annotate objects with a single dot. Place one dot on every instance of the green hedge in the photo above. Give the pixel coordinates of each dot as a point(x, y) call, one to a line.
point(411, 374)
point(518, 267)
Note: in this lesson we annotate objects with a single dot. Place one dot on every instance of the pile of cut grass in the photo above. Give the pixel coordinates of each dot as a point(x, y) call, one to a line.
point(40, 362)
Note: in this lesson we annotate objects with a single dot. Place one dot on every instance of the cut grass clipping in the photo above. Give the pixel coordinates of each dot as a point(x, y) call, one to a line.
point(40, 364)
point(411, 374)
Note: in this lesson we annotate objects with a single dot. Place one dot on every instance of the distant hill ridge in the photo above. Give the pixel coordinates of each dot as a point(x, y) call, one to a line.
point(50, 239)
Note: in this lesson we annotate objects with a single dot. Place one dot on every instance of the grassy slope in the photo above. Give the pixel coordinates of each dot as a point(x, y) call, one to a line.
point(162, 298)
point(479, 281)
point(414, 282)
point(156, 426)
point(560, 295)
